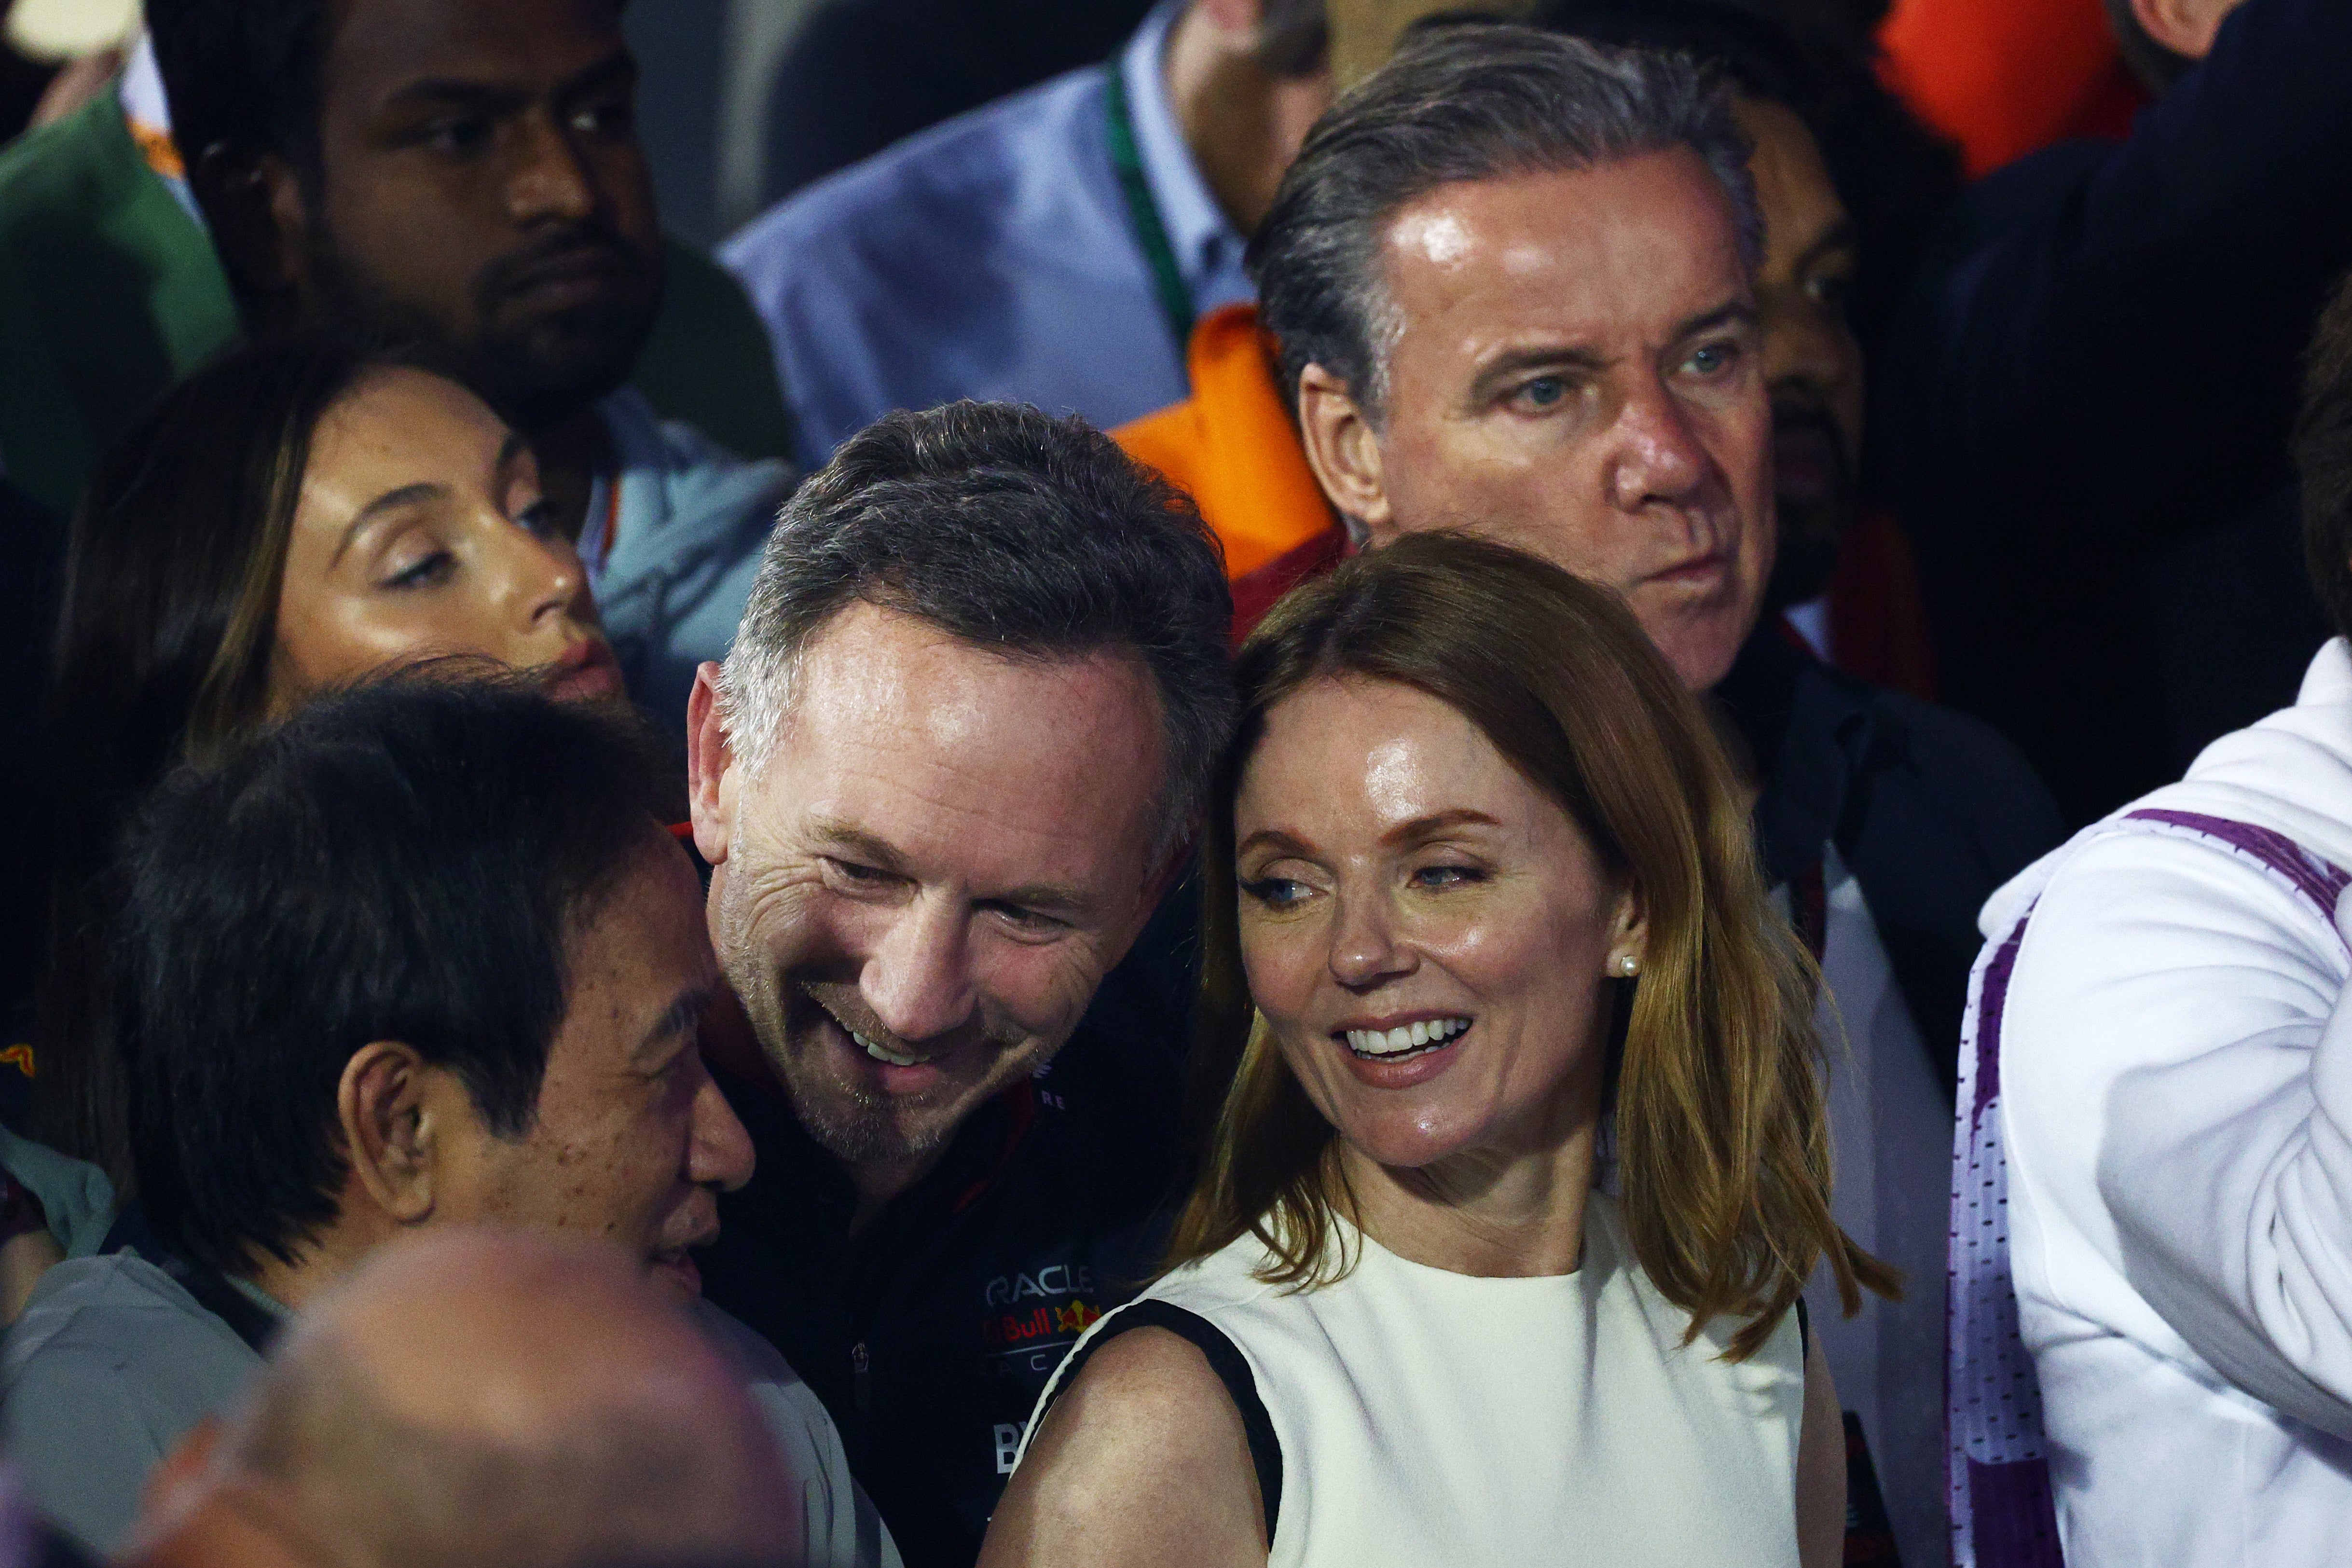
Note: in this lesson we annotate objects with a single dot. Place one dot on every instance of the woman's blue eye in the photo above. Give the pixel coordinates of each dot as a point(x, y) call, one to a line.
point(539, 518)
point(1276, 892)
point(1446, 876)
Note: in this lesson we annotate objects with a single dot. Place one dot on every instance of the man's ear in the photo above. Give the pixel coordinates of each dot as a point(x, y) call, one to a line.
point(711, 775)
point(1342, 448)
point(2184, 26)
point(253, 204)
point(391, 1115)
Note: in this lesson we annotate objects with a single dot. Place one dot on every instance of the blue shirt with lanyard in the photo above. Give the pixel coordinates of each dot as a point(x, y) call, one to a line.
point(1053, 247)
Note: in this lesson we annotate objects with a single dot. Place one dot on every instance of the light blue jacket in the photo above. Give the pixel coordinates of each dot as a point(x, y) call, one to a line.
point(686, 544)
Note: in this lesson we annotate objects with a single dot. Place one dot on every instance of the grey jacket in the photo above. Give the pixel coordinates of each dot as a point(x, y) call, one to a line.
point(115, 1360)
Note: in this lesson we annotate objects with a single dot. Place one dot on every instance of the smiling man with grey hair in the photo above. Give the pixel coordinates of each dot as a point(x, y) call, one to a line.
point(944, 776)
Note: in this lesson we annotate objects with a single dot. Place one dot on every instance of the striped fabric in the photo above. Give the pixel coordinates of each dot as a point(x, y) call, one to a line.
point(2003, 1513)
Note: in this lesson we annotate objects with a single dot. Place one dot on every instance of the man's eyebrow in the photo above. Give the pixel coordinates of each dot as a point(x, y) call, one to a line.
point(1542, 356)
point(434, 92)
point(682, 1018)
point(1841, 236)
point(857, 841)
point(1732, 312)
point(459, 92)
point(873, 852)
point(1045, 897)
point(390, 501)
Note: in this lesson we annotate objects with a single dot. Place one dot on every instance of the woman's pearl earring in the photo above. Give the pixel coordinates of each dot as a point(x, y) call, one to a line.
point(1627, 966)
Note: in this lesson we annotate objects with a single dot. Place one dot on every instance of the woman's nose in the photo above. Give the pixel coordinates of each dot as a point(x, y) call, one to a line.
point(1365, 948)
point(550, 580)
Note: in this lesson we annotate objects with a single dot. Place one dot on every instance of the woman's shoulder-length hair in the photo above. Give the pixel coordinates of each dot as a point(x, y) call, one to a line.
point(1715, 1095)
point(162, 651)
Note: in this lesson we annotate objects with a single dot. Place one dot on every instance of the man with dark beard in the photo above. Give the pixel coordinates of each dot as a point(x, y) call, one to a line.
point(470, 177)
point(947, 771)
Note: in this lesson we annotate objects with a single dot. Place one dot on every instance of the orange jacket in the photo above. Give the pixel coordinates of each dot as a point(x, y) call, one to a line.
point(2005, 78)
point(1231, 447)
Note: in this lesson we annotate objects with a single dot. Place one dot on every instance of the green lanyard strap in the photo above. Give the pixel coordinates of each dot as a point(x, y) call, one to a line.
point(1127, 162)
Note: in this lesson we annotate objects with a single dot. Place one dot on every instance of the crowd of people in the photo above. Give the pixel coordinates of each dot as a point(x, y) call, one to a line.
point(1386, 785)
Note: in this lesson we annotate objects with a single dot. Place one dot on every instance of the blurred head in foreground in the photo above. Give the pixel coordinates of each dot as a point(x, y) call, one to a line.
point(477, 1396)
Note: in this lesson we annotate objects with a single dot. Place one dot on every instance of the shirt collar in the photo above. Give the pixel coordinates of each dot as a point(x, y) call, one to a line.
point(258, 1297)
point(1198, 232)
point(140, 91)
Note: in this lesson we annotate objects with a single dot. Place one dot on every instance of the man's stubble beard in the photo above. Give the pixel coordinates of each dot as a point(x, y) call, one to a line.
point(525, 377)
point(855, 1127)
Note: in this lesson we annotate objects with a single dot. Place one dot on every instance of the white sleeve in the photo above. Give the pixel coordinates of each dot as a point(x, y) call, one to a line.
point(2177, 1082)
point(840, 1526)
point(840, 1523)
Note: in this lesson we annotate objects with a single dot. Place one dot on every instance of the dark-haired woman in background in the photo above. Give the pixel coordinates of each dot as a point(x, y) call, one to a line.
point(298, 515)
point(1489, 924)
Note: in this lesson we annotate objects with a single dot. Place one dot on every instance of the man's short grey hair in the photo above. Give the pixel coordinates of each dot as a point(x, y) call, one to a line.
point(1464, 100)
point(1023, 535)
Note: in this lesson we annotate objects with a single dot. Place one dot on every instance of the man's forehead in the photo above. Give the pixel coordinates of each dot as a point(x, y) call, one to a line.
point(379, 47)
point(645, 949)
point(895, 676)
point(1633, 246)
point(900, 736)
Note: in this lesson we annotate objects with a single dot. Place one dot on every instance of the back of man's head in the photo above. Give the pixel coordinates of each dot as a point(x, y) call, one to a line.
point(404, 861)
point(510, 1398)
point(1029, 535)
point(1463, 101)
point(245, 71)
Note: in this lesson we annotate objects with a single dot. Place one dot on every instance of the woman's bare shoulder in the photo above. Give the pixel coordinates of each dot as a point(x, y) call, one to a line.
point(1142, 1461)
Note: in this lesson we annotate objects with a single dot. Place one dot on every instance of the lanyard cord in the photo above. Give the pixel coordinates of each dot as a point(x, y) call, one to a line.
point(1127, 162)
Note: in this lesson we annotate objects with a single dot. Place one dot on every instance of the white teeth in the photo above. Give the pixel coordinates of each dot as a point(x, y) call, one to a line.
point(1404, 1036)
point(885, 1054)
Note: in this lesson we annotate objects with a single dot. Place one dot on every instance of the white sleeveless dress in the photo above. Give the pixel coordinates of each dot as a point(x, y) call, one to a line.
point(1426, 1418)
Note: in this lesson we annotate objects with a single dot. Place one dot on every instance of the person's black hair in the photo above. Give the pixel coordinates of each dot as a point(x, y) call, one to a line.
point(2323, 460)
point(406, 860)
point(166, 624)
point(1011, 530)
point(245, 73)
